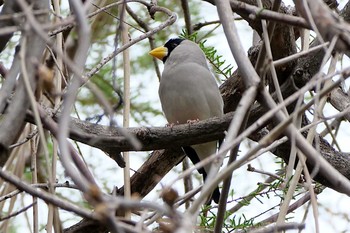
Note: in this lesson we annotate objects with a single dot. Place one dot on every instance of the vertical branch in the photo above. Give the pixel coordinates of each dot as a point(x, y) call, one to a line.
point(147, 28)
point(79, 60)
point(188, 184)
point(267, 54)
point(187, 16)
point(126, 112)
point(32, 101)
point(53, 211)
point(251, 82)
point(301, 167)
point(34, 171)
point(19, 104)
point(10, 7)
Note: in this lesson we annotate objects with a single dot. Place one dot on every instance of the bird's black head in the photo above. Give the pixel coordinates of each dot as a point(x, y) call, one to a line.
point(171, 45)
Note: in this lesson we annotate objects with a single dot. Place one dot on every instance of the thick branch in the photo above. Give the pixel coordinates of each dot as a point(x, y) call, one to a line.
point(112, 139)
point(325, 23)
point(9, 8)
point(17, 108)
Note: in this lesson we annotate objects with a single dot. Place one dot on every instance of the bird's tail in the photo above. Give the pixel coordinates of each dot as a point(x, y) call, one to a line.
point(196, 155)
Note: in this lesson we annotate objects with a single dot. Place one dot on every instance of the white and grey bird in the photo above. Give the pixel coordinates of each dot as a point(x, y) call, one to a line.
point(188, 91)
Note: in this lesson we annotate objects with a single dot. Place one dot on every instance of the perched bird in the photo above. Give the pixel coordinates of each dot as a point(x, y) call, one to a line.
point(188, 92)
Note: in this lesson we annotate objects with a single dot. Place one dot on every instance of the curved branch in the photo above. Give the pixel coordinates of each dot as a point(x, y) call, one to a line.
point(17, 108)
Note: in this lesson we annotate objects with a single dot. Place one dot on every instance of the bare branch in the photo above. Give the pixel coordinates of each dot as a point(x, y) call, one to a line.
point(19, 105)
point(46, 196)
point(325, 22)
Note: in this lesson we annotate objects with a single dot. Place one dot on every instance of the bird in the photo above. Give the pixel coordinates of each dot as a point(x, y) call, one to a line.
point(188, 92)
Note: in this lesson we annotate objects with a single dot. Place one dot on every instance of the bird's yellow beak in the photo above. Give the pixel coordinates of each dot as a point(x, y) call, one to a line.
point(159, 52)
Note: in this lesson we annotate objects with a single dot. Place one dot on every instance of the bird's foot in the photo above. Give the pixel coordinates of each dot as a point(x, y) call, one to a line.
point(192, 121)
point(171, 125)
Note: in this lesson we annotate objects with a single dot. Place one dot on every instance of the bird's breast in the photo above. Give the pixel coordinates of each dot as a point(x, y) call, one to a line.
point(189, 92)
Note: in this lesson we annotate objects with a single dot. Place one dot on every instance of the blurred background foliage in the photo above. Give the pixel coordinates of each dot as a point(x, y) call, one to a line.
point(145, 107)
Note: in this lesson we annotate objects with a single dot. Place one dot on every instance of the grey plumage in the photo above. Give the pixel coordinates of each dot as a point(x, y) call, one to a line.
point(188, 91)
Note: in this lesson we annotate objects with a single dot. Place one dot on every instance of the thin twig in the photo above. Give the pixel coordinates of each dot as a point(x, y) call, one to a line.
point(126, 107)
point(14, 180)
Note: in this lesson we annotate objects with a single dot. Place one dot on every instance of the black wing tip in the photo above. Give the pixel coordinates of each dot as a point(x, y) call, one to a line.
point(216, 195)
point(191, 153)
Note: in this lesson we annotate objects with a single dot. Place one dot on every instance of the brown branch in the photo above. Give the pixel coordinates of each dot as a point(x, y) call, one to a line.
point(48, 197)
point(340, 101)
point(203, 131)
point(187, 16)
point(325, 22)
point(282, 227)
point(248, 10)
point(17, 108)
point(111, 139)
point(9, 8)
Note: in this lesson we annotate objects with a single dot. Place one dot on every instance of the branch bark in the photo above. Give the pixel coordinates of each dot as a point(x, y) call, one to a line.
point(19, 105)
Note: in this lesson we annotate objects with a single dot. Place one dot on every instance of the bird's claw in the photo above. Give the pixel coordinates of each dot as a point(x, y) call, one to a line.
point(192, 121)
point(171, 125)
